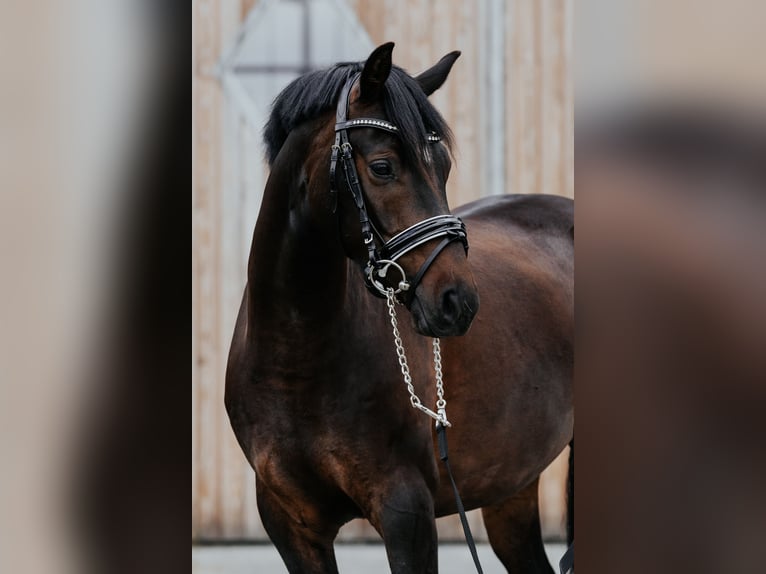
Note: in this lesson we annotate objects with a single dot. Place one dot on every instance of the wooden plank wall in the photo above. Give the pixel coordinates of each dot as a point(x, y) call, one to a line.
point(527, 137)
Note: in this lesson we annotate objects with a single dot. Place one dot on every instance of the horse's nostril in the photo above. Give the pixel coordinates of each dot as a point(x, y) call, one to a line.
point(451, 304)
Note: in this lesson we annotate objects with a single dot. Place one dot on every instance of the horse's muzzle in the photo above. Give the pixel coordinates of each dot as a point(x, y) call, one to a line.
point(450, 315)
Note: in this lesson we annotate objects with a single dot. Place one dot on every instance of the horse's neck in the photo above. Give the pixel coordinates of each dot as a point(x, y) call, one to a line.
point(297, 269)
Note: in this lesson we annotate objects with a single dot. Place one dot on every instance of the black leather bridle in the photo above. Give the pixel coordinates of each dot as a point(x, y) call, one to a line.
point(379, 260)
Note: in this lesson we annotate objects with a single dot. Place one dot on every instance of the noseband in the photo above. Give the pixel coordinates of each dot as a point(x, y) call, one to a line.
point(379, 260)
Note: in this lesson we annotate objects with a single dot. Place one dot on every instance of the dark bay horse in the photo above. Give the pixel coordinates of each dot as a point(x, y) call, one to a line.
point(314, 391)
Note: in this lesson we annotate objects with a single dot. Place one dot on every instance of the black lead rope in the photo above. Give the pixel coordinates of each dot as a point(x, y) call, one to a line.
point(566, 565)
point(441, 433)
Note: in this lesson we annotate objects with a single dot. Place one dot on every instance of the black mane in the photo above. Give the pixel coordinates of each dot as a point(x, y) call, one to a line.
point(314, 93)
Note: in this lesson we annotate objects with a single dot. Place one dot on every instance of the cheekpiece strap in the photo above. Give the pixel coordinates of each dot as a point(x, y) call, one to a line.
point(343, 148)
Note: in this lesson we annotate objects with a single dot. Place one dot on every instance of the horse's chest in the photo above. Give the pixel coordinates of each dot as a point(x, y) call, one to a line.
point(328, 428)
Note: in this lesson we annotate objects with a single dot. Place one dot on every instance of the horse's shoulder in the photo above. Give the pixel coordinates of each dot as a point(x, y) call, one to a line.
point(530, 212)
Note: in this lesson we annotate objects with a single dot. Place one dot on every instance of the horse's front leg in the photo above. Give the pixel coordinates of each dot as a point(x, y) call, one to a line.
point(403, 514)
point(304, 550)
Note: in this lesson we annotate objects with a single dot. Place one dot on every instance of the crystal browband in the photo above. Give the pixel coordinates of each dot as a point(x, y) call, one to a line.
point(380, 124)
point(366, 122)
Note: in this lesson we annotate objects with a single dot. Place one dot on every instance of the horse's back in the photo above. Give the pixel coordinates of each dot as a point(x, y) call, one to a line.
point(532, 212)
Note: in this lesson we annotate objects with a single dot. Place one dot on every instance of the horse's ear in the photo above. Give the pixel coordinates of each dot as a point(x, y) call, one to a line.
point(375, 73)
point(433, 78)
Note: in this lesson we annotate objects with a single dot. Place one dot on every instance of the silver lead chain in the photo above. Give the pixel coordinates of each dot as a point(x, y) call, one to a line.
point(440, 416)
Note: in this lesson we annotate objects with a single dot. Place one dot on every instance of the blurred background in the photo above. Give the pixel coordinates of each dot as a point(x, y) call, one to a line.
point(508, 99)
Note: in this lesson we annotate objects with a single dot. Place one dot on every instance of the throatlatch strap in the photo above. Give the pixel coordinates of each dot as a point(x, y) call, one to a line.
point(441, 433)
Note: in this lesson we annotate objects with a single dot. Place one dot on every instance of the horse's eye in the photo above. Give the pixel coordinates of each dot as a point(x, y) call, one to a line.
point(382, 169)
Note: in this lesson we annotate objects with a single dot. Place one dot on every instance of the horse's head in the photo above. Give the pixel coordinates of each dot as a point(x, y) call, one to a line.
point(398, 146)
